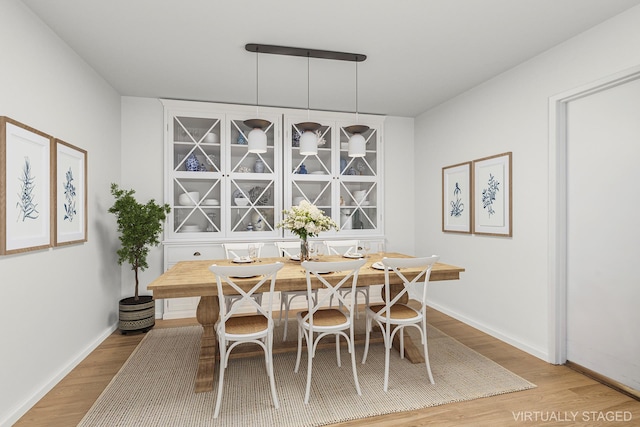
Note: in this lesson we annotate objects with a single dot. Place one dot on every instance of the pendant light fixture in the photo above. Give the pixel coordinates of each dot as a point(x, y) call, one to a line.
point(357, 143)
point(308, 139)
point(257, 138)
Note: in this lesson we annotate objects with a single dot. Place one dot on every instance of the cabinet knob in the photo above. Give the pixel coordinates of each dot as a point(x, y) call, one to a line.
point(196, 253)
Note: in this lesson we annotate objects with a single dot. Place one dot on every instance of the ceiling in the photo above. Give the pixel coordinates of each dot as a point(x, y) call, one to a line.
point(419, 52)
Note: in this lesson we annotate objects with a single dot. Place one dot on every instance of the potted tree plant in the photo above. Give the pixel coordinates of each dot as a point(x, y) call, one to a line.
point(139, 226)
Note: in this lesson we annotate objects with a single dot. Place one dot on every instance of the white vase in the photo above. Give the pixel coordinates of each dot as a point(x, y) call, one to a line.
point(345, 219)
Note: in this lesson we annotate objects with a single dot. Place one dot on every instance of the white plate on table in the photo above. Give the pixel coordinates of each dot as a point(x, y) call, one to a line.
point(242, 260)
point(353, 255)
point(243, 277)
point(295, 258)
point(378, 265)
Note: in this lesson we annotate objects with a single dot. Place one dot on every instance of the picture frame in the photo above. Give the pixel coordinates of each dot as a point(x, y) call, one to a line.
point(70, 194)
point(25, 183)
point(457, 207)
point(493, 195)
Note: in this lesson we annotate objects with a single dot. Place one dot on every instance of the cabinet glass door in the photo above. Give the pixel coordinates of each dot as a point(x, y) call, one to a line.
point(345, 188)
point(195, 158)
point(310, 177)
point(253, 181)
point(358, 190)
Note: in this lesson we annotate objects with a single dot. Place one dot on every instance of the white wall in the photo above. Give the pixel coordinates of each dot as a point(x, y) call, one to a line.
point(57, 304)
point(142, 170)
point(399, 185)
point(504, 289)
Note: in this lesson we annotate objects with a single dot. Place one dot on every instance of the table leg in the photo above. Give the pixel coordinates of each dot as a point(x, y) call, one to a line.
point(411, 351)
point(207, 315)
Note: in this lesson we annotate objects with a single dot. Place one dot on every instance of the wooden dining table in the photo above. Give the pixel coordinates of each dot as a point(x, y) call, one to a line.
point(194, 279)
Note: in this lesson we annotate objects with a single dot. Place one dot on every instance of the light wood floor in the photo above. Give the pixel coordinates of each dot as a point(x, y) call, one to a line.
point(560, 394)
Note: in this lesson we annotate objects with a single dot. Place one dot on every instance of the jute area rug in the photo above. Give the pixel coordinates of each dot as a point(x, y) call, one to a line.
point(155, 386)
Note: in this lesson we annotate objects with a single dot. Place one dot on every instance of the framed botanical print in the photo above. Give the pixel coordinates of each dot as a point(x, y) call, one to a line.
point(25, 182)
point(492, 195)
point(70, 194)
point(456, 198)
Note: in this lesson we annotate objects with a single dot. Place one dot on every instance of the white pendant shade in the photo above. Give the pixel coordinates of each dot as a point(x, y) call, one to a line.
point(357, 145)
point(308, 143)
point(257, 141)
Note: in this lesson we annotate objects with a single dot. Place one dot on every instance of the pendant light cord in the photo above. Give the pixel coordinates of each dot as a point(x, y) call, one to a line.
point(257, 83)
point(308, 84)
point(356, 92)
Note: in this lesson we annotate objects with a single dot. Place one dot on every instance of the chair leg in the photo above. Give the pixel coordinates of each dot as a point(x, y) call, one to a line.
point(287, 306)
point(309, 365)
point(355, 304)
point(352, 350)
point(426, 351)
point(387, 355)
point(401, 333)
point(222, 368)
point(272, 380)
point(338, 350)
point(299, 349)
point(366, 340)
point(265, 340)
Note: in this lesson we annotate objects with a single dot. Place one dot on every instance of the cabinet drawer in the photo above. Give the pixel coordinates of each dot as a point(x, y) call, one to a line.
point(174, 254)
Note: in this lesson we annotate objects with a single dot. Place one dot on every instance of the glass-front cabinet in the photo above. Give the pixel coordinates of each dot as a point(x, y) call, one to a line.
point(217, 189)
point(345, 188)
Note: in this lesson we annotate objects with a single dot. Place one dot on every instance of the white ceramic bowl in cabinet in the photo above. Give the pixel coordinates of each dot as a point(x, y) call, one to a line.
point(189, 199)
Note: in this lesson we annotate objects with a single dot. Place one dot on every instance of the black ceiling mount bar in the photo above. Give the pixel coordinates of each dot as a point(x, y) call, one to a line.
point(299, 51)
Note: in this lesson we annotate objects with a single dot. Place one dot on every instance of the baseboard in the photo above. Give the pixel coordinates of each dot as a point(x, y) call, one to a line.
point(29, 403)
point(537, 352)
point(604, 380)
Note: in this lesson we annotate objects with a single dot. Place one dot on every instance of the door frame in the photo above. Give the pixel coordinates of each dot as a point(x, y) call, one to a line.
point(557, 239)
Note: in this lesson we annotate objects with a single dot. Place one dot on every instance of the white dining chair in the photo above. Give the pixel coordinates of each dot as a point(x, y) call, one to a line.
point(344, 248)
point(241, 251)
point(393, 316)
point(290, 249)
point(323, 321)
point(257, 328)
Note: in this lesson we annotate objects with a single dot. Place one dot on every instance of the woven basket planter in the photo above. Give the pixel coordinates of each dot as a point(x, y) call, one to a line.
point(137, 315)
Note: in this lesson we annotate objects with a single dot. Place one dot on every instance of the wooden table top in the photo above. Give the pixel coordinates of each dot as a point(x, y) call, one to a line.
point(193, 278)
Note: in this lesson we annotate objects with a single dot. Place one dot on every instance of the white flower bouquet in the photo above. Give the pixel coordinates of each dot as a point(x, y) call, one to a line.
point(306, 220)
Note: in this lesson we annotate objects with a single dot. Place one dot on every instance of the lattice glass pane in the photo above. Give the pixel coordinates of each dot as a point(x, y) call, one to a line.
point(196, 146)
point(244, 162)
point(195, 203)
point(318, 164)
